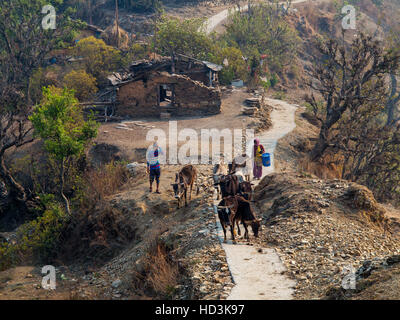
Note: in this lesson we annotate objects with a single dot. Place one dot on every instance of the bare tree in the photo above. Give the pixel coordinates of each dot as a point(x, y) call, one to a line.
point(392, 104)
point(14, 132)
point(24, 44)
point(393, 100)
point(348, 77)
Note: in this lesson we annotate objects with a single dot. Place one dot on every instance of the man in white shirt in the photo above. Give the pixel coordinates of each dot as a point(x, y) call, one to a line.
point(241, 167)
point(153, 165)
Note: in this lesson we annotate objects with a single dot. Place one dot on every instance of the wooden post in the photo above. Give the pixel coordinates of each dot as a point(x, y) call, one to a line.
point(244, 137)
point(155, 37)
point(173, 62)
point(90, 11)
point(116, 20)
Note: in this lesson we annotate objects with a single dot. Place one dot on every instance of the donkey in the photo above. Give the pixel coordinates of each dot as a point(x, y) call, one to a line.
point(243, 213)
point(184, 179)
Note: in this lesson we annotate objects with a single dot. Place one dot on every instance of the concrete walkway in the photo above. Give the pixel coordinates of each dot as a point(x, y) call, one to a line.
point(259, 275)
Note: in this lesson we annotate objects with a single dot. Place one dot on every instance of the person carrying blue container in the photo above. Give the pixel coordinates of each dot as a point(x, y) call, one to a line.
point(258, 152)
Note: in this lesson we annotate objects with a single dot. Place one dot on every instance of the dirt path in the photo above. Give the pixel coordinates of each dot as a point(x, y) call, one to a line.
point(216, 20)
point(282, 118)
point(258, 272)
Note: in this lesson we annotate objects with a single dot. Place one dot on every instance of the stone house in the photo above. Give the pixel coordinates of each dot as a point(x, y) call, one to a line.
point(179, 87)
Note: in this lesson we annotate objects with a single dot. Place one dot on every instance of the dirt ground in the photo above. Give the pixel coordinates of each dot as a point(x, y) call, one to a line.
point(131, 136)
point(25, 283)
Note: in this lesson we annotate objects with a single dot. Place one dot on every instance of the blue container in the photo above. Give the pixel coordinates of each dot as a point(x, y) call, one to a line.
point(266, 160)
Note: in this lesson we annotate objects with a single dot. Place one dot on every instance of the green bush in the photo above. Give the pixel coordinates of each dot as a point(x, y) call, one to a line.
point(274, 80)
point(82, 83)
point(37, 240)
point(40, 238)
point(236, 68)
point(264, 31)
point(177, 36)
point(137, 51)
point(266, 85)
point(8, 256)
point(140, 5)
point(99, 58)
point(42, 78)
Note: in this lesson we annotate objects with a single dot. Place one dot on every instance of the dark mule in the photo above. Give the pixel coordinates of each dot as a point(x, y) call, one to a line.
point(226, 217)
point(246, 189)
point(229, 185)
point(243, 212)
point(184, 179)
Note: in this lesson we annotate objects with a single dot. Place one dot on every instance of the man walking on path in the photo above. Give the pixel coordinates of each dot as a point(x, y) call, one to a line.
point(240, 166)
point(153, 165)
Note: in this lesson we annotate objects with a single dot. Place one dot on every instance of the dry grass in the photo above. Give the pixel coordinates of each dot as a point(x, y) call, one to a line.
point(156, 274)
point(110, 36)
point(319, 19)
point(163, 273)
point(99, 230)
point(324, 169)
point(370, 211)
point(98, 234)
point(106, 180)
point(382, 284)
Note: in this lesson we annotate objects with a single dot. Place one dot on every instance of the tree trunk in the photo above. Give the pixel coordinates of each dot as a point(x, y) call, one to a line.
point(17, 191)
point(62, 182)
point(90, 12)
point(390, 105)
point(117, 21)
point(321, 145)
point(173, 62)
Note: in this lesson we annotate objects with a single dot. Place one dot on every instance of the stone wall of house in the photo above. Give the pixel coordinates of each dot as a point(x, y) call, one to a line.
point(139, 98)
point(194, 98)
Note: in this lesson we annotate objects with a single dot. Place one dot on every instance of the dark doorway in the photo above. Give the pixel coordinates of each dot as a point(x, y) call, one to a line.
point(166, 95)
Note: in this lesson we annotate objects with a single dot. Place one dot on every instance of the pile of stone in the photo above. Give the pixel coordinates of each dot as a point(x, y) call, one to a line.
point(252, 106)
point(254, 102)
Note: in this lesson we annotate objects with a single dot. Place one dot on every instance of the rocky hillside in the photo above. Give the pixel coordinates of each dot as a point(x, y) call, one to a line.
point(320, 227)
point(377, 279)
point(176, 253)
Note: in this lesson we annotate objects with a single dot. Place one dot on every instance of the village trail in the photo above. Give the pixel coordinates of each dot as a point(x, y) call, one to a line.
point(214, 21)
point(260, 275)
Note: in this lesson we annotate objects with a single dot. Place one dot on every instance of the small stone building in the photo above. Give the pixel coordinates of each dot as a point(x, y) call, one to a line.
point(181, 87)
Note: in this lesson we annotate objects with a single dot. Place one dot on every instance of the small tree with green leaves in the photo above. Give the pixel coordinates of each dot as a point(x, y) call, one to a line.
point(82, 83)
point(59, 121)
point(234, 65)
point(100, 59)
point(176, 36)
point(263, 31)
